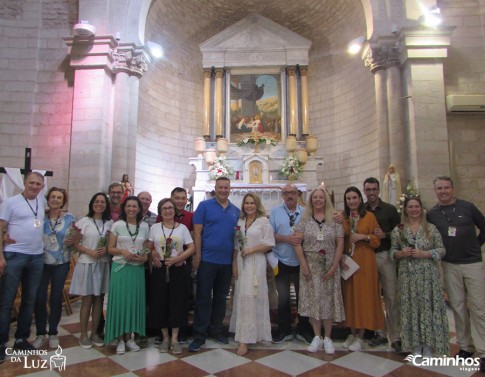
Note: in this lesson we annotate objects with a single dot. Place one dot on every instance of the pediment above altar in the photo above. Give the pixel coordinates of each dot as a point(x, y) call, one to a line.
point(255, 41)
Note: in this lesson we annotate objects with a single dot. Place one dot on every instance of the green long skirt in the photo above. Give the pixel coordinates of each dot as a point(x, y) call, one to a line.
point(126, 301)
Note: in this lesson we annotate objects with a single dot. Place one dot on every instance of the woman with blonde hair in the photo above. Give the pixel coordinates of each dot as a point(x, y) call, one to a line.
point(320, 289)
point(418, 248)
point(254, 237)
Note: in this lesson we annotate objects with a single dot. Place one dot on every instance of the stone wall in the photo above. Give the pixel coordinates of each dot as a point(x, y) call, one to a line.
point(35, 95)
point(465, 74)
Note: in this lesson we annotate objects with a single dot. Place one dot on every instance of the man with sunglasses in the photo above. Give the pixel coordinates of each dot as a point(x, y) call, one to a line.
point(283, 218)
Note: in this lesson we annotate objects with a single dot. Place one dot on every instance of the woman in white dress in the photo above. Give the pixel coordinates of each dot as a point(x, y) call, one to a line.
point(90, 279)
point(254, 237)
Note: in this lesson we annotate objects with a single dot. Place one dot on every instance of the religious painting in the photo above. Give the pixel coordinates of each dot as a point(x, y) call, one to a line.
point(255, 106)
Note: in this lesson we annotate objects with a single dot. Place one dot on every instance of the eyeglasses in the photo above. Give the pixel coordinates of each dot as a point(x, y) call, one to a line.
point(112, 193)
point(292, 193)
point(167, 209)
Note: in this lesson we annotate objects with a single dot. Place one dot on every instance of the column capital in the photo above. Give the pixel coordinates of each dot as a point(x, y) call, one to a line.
point(381, 57)
point(207, 73)
point(219, 73)
point(129, 58)
point(105, 52)
point(291, 70)
point(304, 70)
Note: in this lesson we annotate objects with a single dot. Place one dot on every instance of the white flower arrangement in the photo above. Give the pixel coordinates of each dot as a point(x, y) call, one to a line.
point(292, 168)
point(220, 168)
point(259, 140)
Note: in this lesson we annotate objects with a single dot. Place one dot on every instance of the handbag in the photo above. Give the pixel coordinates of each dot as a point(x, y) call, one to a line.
point(352, 267)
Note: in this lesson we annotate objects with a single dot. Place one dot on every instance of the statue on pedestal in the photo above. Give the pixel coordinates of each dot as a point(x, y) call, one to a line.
point(391, 186)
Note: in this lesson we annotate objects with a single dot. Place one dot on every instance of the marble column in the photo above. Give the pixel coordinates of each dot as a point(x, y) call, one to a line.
point(207, 104)
point(292, 99)
point(218, 118)
point(304, 101)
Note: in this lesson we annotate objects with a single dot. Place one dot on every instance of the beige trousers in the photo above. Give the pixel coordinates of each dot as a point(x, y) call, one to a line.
point(465, 284)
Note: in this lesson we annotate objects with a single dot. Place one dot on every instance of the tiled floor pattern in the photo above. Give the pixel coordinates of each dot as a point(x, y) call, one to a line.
point(263, 360)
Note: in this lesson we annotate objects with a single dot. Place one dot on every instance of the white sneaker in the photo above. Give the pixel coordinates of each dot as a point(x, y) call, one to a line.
point(328, 346)
point(315, 345)
point(348, 341)
point(132, 346)
point(53, 341)
point(120, 349)
point(356, 345)
point(39, 341)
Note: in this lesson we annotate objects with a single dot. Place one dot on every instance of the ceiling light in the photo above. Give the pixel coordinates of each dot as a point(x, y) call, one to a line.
point(432, 18)
point(355, 45)
point(155, 49)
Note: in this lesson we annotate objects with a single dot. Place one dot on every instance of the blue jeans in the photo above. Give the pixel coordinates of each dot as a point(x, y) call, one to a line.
point(213, 283)
point(21, 269)
point(56, 275)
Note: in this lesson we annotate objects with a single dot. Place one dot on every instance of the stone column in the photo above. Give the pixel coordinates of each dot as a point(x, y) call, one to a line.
point(218, 118)
point(292, 99)
point(207, 104)
point(304, 101)
point(128, 66)
point(376, 60)
point(104, 115)
point(421, 55)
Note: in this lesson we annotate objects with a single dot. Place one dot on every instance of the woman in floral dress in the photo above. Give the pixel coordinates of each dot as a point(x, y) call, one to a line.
point(320, 289)
point(418, 248)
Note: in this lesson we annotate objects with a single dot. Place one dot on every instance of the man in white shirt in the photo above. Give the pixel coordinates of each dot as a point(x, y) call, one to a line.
point(22, 216)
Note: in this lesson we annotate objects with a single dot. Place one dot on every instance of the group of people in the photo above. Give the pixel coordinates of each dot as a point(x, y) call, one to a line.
point(143, 263)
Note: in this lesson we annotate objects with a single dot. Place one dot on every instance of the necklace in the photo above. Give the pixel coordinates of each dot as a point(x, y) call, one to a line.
point(320, 223)
point(53, 224)
point(168, 240)
point(133, 235)
point(246, 226)
point(100, 232)
point(36, 206)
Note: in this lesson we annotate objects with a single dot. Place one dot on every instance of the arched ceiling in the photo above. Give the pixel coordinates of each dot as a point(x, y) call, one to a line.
point(184, 24)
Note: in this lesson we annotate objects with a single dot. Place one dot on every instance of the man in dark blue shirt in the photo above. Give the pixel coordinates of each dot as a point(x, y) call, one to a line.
point(214, 222)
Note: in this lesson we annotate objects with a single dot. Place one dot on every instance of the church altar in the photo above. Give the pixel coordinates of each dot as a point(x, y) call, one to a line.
point(256, 170)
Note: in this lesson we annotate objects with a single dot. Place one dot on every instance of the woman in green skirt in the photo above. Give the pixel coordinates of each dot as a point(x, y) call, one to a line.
point(126, 300)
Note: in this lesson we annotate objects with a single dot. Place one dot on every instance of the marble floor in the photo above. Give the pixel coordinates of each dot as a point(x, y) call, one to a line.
point(287, 359)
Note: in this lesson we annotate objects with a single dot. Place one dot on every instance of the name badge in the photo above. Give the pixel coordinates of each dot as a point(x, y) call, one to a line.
point(36, 223)
point(53, 239)
point(452, 231)
point(320, 237)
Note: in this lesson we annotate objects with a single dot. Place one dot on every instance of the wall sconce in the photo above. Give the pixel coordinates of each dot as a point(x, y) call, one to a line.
point(432, 18)
point(155, 50)
point(84, 29)
point(355, 45)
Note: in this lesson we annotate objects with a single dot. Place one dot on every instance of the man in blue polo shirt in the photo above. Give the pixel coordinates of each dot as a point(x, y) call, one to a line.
point(283, 217)
point(214, 222)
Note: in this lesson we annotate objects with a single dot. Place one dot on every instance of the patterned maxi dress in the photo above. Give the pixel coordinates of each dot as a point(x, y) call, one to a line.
point(320, 299)
point(420, 294)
